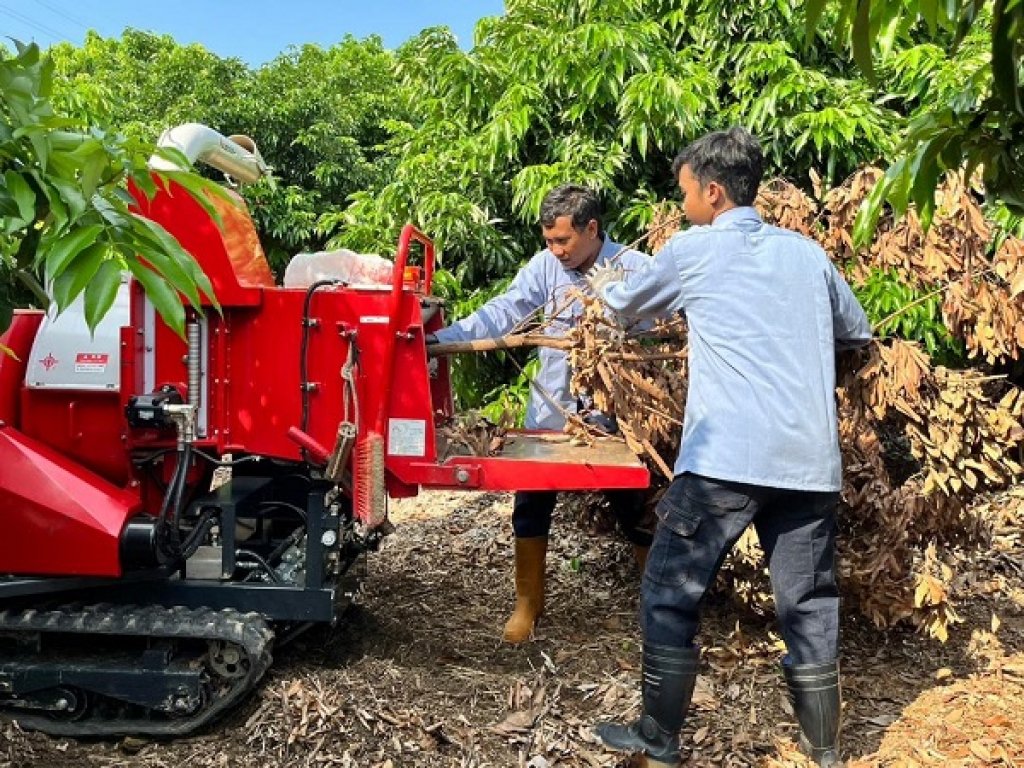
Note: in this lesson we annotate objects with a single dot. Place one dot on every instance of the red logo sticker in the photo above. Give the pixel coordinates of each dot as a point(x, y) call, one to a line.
point(49, 361)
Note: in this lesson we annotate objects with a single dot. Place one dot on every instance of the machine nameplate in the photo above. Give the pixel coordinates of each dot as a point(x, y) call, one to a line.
point(407, 437)
point(374, 320)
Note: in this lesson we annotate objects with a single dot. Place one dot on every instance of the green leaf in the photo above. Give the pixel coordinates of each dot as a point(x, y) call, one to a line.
point(165, 299)
point(58, 211)
point(59, 255)
point(102, 290)
point(1007, 19)
point(862, 39)
point(929, 10)
point(871, 208)
point(924, 172)
point(812, 16)
point(23, 196)
point(42, 148)
point(92, 171)
point(78, 273)
point(175, 263)
point(72, 195)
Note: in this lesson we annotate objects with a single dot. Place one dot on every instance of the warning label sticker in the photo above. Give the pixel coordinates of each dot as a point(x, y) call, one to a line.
point(91, 362)
point(407, 437)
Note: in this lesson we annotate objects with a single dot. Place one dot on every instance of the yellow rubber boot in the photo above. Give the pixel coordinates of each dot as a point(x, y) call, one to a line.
point(530, 556)
point(640, 553)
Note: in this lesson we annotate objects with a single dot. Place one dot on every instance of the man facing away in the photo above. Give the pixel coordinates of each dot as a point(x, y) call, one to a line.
point(570, 218)
point(766, 312)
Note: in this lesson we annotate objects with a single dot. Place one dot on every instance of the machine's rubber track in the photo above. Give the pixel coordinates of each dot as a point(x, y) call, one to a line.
point(246, 633)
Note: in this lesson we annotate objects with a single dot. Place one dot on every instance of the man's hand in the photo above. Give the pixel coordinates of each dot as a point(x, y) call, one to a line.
point(431, 342)
point(600, 277)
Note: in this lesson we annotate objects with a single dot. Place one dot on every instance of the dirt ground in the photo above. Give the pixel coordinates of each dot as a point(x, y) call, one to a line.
point(416, 675)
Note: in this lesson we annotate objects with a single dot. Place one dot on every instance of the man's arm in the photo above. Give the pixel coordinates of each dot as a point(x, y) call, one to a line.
point(850, 325)
point(497, 317)
point(653, 290)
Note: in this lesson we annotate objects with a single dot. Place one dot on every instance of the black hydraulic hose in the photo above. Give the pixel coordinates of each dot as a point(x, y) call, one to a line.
point(274, 503)
point(290, 541)
point(165, 506)
point(203, 526)
point(170, 510)
point(248, 553)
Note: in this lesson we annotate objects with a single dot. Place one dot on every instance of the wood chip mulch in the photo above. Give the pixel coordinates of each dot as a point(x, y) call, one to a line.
point(416, 673)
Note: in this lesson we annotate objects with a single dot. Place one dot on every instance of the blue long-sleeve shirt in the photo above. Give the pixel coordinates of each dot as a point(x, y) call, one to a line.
point(543, 284)
point(766, 310)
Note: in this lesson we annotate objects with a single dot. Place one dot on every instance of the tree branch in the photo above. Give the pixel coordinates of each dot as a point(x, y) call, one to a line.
point(505, 342)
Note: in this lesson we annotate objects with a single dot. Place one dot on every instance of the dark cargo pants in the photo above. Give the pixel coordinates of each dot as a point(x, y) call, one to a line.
point(531, 514)
point(699, 520)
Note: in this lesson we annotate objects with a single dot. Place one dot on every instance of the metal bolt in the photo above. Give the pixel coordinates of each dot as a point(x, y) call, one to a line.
point(62, 704)
point(462, 476)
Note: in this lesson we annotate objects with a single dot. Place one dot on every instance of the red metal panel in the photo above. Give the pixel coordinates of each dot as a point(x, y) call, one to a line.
point(259, 367)
point(88, 427)
point(18, 338)
point(58, 518)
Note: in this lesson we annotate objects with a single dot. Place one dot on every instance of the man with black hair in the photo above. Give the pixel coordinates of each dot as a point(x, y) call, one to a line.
point(570, 218)
point(766, 312)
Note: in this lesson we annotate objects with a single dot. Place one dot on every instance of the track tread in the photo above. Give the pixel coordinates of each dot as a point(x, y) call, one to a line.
point(249, 631)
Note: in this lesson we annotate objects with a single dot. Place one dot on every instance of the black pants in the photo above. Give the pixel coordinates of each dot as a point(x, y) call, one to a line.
point(699, 520)
point(531, 514)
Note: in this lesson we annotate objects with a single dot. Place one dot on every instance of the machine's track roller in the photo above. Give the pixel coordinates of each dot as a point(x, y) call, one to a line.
point(204, 660)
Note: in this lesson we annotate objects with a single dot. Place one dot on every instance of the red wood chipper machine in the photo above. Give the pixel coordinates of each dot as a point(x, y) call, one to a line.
point(170, 506)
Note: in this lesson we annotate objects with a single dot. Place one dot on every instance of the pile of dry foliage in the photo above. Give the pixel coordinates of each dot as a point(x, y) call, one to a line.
point(926, 450)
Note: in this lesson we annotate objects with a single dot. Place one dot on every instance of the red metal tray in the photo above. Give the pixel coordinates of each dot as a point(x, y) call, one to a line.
point(532, 461)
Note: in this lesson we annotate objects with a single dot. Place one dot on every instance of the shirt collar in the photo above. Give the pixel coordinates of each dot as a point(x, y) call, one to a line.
point(608, 249)
point(740, 213)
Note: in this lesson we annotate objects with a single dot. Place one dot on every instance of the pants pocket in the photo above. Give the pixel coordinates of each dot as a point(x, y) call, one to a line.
point(674, 545)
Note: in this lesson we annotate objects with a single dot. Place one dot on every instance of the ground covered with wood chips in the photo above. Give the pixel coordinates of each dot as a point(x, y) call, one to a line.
point(416, 675)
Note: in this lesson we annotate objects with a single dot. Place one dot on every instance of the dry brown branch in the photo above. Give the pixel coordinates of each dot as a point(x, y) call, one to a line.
point(505, 342)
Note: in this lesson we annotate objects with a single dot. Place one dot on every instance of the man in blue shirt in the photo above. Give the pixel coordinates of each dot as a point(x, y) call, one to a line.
point(570, 219)
point(766, 311)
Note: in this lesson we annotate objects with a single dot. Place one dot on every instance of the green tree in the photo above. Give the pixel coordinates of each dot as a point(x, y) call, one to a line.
point(318, 116)
point(65, 212)
point(604, 93)
point(972, 116)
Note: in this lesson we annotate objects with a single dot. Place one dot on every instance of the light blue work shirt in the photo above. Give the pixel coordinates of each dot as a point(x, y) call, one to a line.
point(542, 284)
point(766, 310)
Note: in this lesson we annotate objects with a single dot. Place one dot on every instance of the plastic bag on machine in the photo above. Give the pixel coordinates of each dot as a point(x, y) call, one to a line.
point(345, 265)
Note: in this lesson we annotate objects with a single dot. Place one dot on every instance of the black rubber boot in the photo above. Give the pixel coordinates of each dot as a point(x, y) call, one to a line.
point(814, 691)
point(669, 677)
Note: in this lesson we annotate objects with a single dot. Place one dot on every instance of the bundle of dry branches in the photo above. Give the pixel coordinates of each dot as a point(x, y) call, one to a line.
point(922, 445)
